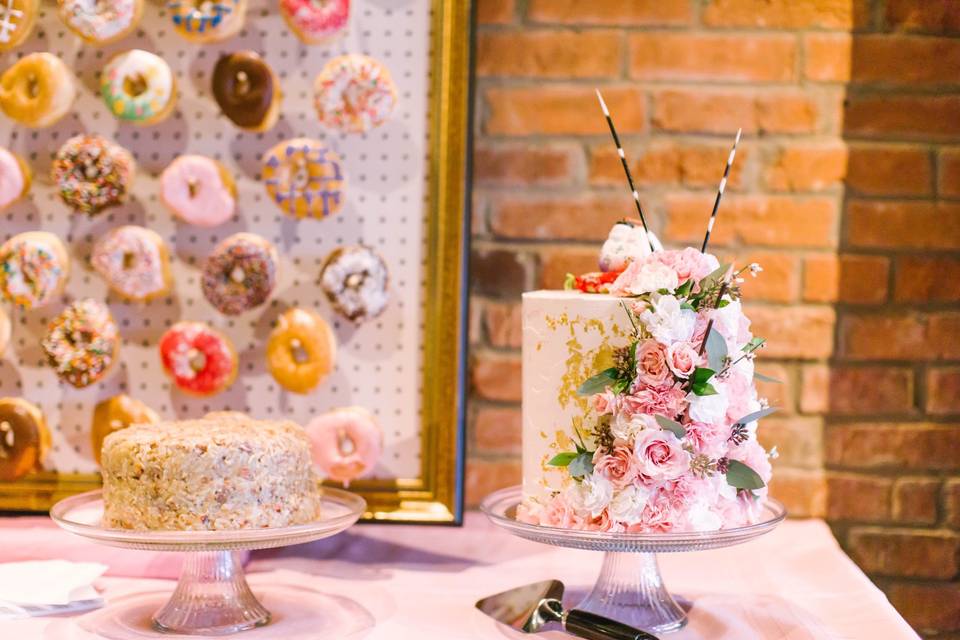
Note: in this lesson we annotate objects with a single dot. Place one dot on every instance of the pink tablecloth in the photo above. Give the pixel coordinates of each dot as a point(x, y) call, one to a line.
point(394, 582)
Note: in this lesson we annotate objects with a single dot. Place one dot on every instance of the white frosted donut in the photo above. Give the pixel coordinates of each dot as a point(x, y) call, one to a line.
point(14, 178)
point(101, 21)
point(34, 268)
point(355, 280)
point(138, 86)
point(354, 93)
point(198, 190)
point(345, 443)
point(134, 262)
point(6, 330)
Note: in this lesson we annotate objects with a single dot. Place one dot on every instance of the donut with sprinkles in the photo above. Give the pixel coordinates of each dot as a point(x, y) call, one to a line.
point(354, 93)
point(92, 173)
point(304, 178)
point(240, 274)
point(34, 267)
point(138, 87)
point(17, 18)
point(134, 261)
point(101, 22)
point(82, 343)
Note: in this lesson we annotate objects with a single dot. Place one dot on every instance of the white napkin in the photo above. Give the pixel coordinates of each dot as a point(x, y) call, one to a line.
point(45, 587)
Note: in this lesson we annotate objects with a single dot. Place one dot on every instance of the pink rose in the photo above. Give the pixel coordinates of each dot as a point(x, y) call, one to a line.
point(619, 466)
point(659, 516)
point(707, 438)
point(652, 369)
point(559, 513)
point(664, 401)
point(742, 395)
point(682, 359)
point(660, 455)
point(604, 402)
point(688, 263)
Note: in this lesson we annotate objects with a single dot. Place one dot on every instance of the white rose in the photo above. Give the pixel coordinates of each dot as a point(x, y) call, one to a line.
point(709, 409)
point(624, 427)
point(652, 277)
point(628, 504)
point(701, 518)
point(667, 322)
point(596, 492)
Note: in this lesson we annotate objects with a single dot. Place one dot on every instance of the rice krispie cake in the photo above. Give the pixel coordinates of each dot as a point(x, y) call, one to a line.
point(221, 472)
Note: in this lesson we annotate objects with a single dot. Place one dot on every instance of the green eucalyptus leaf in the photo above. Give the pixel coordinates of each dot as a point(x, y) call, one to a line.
point(716, 349)
point(714, 277)
point(741, 476)
point(671, 425)
point(763, 378)
point(599, 382)
point(703, 389)
point(582, 465)
point(562, 459)
point(701, 374)
point(756, 415)
point(754, 344)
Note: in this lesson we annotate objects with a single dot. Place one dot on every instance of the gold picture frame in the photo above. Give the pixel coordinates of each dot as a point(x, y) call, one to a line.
point(435, 496)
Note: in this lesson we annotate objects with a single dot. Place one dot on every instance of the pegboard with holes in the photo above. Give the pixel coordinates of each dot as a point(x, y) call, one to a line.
point(379, 363)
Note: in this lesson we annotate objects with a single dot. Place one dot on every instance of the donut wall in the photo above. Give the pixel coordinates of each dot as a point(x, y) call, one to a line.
point(388, 204)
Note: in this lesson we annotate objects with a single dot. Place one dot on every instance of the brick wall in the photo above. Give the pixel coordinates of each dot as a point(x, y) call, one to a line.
point(846, 189)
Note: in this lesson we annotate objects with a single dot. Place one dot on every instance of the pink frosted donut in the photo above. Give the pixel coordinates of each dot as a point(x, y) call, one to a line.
point(198, 190)
point(345, 443)
point(315, 21)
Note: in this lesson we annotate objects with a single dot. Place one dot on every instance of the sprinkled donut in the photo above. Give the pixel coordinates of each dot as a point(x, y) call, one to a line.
point(15, 178)
point(37, 90)
point(101, 22)
point(207, 20)
point(240, 274)
point(134, 261)
point(354, 93)
point(17, 18)
point(24, 438)
point(304, 178)
point(82, 343)
point(114, 414)
point(6, 330)
point(198, 359)
point(247, 90)
point(301, 350)
point(199, 191)
point(345, 443)
point(138, 87)
point(92, 173)
point(315, 22)
point(34, 267)
point(355, 280)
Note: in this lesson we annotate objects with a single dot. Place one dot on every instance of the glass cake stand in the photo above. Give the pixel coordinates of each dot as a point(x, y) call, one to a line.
point(629, 588)
point(212, 596)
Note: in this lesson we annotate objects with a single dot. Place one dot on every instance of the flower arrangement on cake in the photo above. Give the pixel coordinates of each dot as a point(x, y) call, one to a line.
point(658, 433)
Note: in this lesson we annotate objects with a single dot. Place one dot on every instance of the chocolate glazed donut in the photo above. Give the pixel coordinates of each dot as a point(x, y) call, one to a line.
point(245, 88)
point(24, 438)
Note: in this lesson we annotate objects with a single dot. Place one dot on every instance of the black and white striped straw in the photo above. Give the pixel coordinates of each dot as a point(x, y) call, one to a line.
point(626, 168)
point(723, 185)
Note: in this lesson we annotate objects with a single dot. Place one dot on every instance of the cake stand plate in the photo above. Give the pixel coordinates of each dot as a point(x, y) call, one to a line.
point(212, 596)
point(629, 588)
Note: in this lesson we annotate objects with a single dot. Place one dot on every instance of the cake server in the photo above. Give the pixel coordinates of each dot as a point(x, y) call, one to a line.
point(530, 607)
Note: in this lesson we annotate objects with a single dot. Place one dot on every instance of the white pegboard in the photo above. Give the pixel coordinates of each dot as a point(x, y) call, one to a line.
point(379, 363)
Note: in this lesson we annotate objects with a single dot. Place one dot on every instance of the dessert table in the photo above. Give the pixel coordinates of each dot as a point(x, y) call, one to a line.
point(392, 582)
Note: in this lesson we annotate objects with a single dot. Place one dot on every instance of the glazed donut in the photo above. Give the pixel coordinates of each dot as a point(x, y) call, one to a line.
point(82, 343)
point(240, 274)
point(304, 178)
point(17, 18)
point(6, 330)
point(345, 443)
point(24, 438)
point(355, 280)
point(247, 90)
point(34, 267)
point(207, 20)
point(114, 414)
point(15, 178)
point(301, 350)
point(92, 173)
point(138, 87)
point(134, 261)
point(199, 191)
point(101, 22)
point(37, 90)
point(315, 22)
point(354, 93)
point(199, 360)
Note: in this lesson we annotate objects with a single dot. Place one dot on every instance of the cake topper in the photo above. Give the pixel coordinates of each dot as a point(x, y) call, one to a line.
point(723, 185)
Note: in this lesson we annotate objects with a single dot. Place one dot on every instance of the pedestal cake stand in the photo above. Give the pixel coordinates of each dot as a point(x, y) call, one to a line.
point(629, 588)
point(212, 596)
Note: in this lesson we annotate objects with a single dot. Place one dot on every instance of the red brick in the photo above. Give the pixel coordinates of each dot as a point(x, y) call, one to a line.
point(806, 167)
point(549, 54)
point(927, 279)
point(943, 391)
point(932, 16)
point(795, 331)
point(802, 491)
point(615, 13)
point(504, 324)
point(486, 476)
point(919, 554)
point(927, 607)
point(497, 429)
point(945, 335)
point(948, 182)
point(557, 263)
point(721, 111)
point(904, 336)
point(951, 502)
point(587, 217)
point(926, 117)
point(559, 110)
point(499, 272)
point(690, 164)
point(815, 388)
point(774, 221)
point(495, 11)
point(871, 390)
point(858, 498)
point(915, 500)
point(899, 445)
point(827, 56)
point(889, 170)
point(496, 376)
point(906, 224)
point(788, 14)
point(799, 441)
point(683, 56)
point(880, 59)
point(779, 280)
point(523, 165)
point(847, 278)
